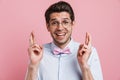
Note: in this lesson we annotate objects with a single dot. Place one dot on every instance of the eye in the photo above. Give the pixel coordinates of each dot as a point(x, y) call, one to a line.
point(54, 23)
point(65, 22)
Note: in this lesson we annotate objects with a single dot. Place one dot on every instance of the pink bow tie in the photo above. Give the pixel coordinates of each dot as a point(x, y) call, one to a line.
point(57, 51)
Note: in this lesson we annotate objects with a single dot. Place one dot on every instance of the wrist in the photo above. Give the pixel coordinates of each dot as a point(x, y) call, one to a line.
point(84, 66)
point(33, 66)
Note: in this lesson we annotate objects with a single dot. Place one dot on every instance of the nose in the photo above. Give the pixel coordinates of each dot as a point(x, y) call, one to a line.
point(60, 27)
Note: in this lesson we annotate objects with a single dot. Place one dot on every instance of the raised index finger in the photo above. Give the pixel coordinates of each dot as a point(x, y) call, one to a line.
point(88, 39)
point(32, 39)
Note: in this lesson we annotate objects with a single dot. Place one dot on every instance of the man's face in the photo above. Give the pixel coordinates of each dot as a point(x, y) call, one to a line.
point(60, 27)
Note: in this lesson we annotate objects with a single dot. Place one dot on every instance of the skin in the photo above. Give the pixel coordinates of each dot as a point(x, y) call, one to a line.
point(83, 55)
point(35, 53)
point(61, 36)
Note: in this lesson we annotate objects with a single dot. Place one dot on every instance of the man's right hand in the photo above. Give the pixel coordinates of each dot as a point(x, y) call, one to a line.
point(35, 51)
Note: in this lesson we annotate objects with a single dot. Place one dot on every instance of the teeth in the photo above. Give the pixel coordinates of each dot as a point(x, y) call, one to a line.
point(61, 34)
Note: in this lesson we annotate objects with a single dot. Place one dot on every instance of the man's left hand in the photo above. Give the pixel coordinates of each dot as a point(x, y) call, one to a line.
point(84, 51)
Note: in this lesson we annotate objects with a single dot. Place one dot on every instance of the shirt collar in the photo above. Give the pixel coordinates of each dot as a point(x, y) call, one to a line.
point(69, 45)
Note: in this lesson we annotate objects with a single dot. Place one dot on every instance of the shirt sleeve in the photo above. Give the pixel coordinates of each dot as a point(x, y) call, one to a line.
point(95, 65)
point(38, 74)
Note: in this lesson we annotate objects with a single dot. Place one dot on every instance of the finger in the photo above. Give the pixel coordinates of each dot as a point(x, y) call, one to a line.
point(88, 39)
point(31, 49)
point(80, 47)
point(82, 51)
point(40, 47)
point(85, 46)
point(36, 48)
point(35, 45)
point(32, 39)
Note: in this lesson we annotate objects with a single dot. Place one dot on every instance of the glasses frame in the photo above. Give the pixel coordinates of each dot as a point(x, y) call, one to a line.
point(65, 23)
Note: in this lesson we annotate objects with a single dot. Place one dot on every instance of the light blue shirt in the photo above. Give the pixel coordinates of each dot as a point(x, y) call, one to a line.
point(65, 66)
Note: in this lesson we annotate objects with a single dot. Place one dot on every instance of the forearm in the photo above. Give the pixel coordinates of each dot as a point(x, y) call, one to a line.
point(32, 72)
point(86, 73)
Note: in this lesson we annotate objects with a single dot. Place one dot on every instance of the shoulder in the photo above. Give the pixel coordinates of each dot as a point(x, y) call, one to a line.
point(47, 46)
point(75, 43)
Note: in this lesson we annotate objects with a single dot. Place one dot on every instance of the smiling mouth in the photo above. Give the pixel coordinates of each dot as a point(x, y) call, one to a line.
point(60, 34)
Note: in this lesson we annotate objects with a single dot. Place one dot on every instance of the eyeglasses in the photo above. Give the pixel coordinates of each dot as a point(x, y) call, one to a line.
point(64, 23)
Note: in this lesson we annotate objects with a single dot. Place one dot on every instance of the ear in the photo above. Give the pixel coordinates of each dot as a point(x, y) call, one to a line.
point(48, 27)
point(73, 23)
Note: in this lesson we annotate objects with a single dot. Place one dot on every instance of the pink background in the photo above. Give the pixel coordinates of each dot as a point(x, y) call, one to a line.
point(18, 18)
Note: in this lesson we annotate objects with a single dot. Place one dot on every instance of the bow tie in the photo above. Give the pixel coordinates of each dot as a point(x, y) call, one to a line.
point(57, 51)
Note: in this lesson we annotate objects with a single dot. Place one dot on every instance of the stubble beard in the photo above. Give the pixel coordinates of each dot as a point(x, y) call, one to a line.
point(61, 43)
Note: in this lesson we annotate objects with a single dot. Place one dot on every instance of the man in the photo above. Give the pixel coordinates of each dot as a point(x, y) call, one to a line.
point(62, 59)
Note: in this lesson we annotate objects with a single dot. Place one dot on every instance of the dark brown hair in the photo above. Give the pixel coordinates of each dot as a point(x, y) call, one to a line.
point(60, 6)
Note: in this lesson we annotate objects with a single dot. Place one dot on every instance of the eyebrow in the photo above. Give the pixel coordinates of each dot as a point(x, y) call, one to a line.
point(56, 19)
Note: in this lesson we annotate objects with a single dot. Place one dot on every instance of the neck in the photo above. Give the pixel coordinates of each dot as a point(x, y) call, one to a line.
point(62, 45)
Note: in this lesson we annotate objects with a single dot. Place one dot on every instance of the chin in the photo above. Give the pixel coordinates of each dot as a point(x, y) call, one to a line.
point(61, 41)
